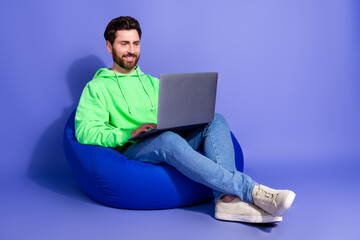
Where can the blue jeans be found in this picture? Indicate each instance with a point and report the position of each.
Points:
(215, 168)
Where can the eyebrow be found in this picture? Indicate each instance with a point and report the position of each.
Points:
(129, 41)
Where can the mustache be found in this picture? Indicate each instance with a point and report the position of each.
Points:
(130, 55)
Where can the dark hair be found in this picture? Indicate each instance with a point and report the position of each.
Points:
(121, 23)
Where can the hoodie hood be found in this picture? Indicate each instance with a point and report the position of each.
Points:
(137, 75)
(112, 105)
(108, 73)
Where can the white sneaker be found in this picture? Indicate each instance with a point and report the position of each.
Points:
(240, 211)
(275, 202)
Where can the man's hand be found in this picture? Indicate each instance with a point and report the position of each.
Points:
(143, 128)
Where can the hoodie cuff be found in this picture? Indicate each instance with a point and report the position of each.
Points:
(126, 136)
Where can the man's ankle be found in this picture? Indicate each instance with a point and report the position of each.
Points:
(227, 198)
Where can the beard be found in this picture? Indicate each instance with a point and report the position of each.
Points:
(126, 64)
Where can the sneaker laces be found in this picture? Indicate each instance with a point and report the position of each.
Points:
(266, 196)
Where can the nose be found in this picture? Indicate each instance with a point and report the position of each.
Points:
(131, 49)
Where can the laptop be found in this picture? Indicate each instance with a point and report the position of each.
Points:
(186, 100)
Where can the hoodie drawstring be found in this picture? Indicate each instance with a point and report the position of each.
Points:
(142, 84)
(151, 102)
(122, 92)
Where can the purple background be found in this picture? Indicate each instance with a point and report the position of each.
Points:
(288, 85)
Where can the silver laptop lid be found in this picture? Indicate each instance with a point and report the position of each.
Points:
(186, 99)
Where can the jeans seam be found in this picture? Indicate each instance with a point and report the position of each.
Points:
(210, 180)
(202, 176)
(146, 150)
(214, 147)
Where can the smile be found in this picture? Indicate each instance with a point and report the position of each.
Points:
(130, 58)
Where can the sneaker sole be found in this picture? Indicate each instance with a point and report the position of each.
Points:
(249, 219)
(286, 205)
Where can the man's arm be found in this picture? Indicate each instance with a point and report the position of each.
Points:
(92, 122)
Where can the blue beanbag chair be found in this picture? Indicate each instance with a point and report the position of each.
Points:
(108, 177)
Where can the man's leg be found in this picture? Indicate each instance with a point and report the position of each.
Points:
(173, 149)
(217, 146)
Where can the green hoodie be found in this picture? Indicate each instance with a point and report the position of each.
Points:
(113, 104)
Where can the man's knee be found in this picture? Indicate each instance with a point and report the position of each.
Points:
(219, 118)
(219, 122)
(170, 145)
(169, 138)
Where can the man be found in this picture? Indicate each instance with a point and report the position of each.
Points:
(121, 102)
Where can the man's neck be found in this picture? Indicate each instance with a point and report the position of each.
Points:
(118, 69)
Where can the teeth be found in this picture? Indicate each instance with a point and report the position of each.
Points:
(129, 58)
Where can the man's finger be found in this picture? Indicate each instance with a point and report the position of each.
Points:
(149, 125)
(153, 126)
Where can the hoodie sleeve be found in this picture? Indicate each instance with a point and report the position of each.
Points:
(92, 122)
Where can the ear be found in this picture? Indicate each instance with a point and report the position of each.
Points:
(109, 46)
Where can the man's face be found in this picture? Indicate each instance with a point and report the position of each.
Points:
(125, 50)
